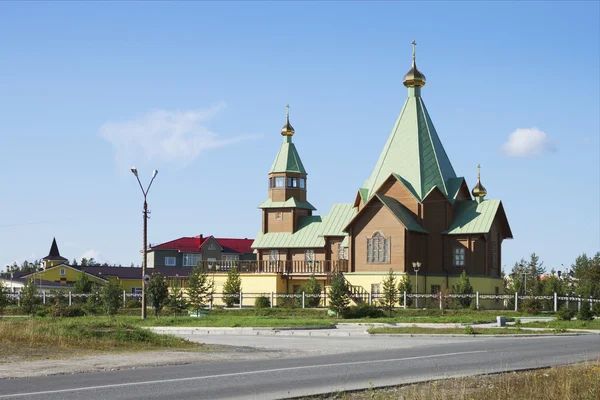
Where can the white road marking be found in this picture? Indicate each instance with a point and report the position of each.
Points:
(193, 378)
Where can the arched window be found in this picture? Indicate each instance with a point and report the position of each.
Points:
(378, 249)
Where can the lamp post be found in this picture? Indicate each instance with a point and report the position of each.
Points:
(144, 249)
(416, 266)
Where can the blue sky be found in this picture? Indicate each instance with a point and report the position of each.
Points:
(198, 91)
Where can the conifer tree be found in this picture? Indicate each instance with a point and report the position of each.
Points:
(232, 287)
(82, 284)
(158, 292)
(338, 294)
(405, 285)
(389, 296)
(463, 286)
(200, 288)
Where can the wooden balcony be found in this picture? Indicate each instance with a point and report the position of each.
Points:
(277, 267)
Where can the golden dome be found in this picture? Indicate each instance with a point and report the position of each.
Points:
(479, 191)
(288, 129)
(414, 77)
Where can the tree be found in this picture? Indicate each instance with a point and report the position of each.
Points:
(389, 296)
(200, 288)
(585, 312)
(463, 287)
(82, 284)
(405, 285)
(29, 297)
(338, 294)
(312, 291)
(110, 295)
(586, 271)
(158, 292)
(84, 262)
(232, 287)
(177, 303)
(3, 298)
(74, 263)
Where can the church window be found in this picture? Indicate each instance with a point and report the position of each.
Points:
(378, 248)
(279, 182)
(302, 183)
(342, 252)
(494, 254)
(459, 256)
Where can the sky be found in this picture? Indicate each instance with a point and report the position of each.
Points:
(198, 91)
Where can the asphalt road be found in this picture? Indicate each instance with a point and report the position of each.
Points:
(287, 377)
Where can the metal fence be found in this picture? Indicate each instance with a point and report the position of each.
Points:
(479, 301)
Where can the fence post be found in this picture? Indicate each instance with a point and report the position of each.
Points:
(211, 301)
(516, 301)
(591, 302)
(271, 299)
(441, 305)
(124, 299)
(44, 297)
(241, 299)
(404, 300)
(324, 296)
(370, 298)
(302, 299)
(579, 303)
(555, 302)
(69, 297)
(477, 299)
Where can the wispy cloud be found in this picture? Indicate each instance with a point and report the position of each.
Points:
(161, 136)
(527, 142)
(95, 254)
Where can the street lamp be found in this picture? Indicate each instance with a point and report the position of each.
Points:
(416, 266)
(144, 249)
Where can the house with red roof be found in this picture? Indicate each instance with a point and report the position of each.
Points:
(190, 251)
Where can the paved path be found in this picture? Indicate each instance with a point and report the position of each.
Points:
(357, 362)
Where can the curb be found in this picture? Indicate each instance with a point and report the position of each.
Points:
(482, 335)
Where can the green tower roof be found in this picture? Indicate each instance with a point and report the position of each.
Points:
(414, 152)
(287, 159)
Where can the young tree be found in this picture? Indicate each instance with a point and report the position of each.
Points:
(200, 288)
(312, 288)
(84, 262)
(232, 287)
(3, 298)
(390, 295)
(29, 297)
(338, 294)
(463, 286)
(74, 263)
(177, 303)
(158, 292)
(82, 284)
(587, 274)
(110, 295)
(405, 285)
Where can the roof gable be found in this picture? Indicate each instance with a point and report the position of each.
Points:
(210, 243)
(471, 217)
(289, 203)
(67, 266)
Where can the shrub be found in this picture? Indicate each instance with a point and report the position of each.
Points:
(469, 330)
(62, 311)
(287, 302)
(158, 292)
(30, 300)
(585, 312)
(463, 286)
(232, 288)
(389, 296)
(362, 310)
(311, 287)
(3, 298)
(405, 285)
(93, 303)
(132, 302)
(532, 306)
(110, 295)
(262, 302)
(565, 313)
(338, 294)
(596, 309)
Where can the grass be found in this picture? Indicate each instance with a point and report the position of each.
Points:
(35, 338)
(449, 331)
(559, 324)
(580, 382)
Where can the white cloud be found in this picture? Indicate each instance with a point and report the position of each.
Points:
(527, 142)
(161, 136)
(95, 254)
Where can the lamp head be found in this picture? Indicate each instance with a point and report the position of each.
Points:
(154, 173)
(416, 266)
(134, 171)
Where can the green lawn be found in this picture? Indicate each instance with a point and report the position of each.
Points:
(449, 331)
(559, 324)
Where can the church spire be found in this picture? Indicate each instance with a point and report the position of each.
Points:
(414, 77)
(479, 191)
(288, 129)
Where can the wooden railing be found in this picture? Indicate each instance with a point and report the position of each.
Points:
(277, 267)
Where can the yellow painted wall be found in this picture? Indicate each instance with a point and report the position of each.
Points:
(53, 275)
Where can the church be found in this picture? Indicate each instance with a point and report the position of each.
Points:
(413, 215)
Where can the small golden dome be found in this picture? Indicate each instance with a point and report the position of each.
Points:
(479, 191)
(288, 129)
(414, 77)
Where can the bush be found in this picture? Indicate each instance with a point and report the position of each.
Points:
(262, 302)
(565, 313)
(362, 310)
(596, 309)
(532, 306)
(62, 311)
(132, 302)
(287, 302)
(311, 287)
(585, 312)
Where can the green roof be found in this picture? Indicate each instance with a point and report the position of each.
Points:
(414, 152)
(471, 217)
(287, 159)
(364, 195)
(289, 203)
(453, 185)
(401, 213)
(311, 231)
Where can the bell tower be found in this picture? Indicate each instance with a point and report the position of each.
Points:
(287, 187)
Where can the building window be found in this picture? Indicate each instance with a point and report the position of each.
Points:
(63, 272)
(342, 252)
(170, 261)
(378, 247)
(279, 215)
(273, 257)
(459, 256)
(191, 260)
(309, 257)
(494, 254)
(136, 290)
(279, 182)
(230, 257)
(435, 289)
(302, 182)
